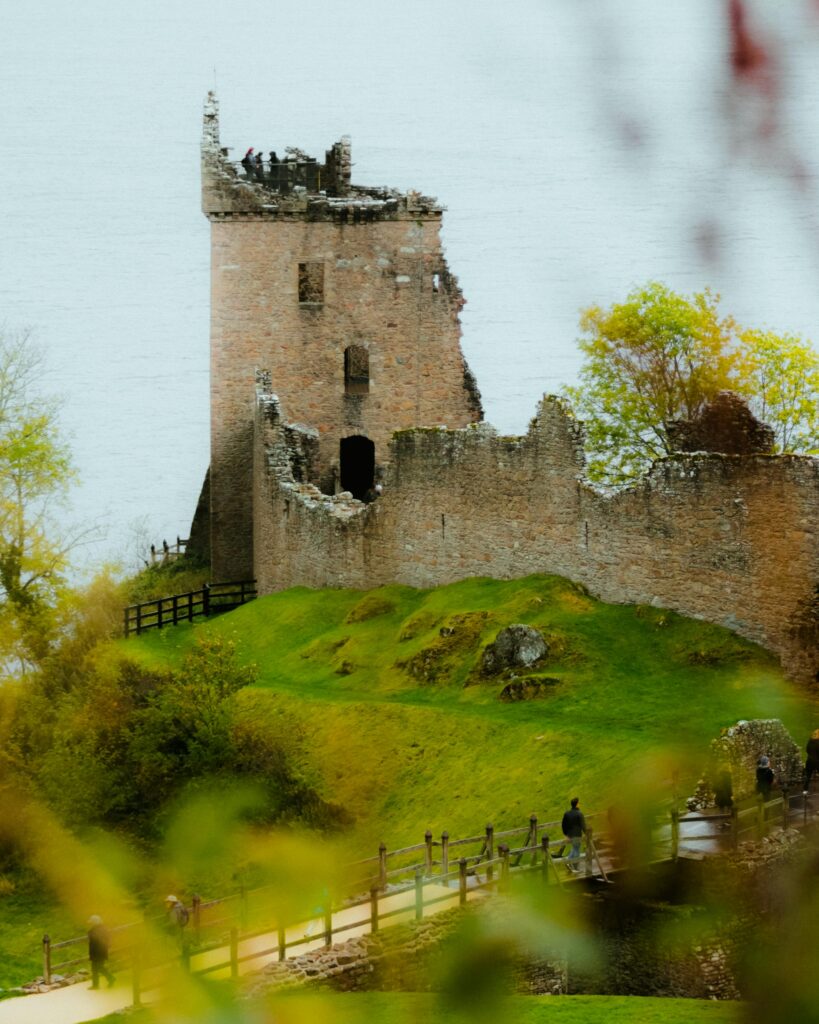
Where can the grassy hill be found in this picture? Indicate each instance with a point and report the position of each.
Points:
(406, 733)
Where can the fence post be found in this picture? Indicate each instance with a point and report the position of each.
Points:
(136, 972)
(532, 841)
(374, 911)
(139, 619)
(234, 954)
(47, 959)
(544, 845)
(428, 851)
(503, 850)
(206, 600)
(445, 853)
(159, 613)
(127, 622)
(382, 866)
(419, 894)
(196, 907)
(589, 850)
(175, 608)
(675, 834)
(281, 942)
(328, 924)
(490, 852)
(462, 880)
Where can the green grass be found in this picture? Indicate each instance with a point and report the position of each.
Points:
(407, 735)
(407, 1008)
(26, 914)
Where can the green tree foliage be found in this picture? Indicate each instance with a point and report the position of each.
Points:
(35, 471)
(661, 356)
(781, 374)
(114, 743)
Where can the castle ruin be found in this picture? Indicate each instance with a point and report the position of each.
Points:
(336, 364)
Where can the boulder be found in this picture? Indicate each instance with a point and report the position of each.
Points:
(517, 646)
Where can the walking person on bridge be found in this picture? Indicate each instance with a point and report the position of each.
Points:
(574, 828)
(177, 917)
(99, 943)
(764, 777)
(812, 762)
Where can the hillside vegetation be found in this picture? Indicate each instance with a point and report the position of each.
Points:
(407, 733)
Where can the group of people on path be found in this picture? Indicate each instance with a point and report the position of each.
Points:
(765, 777)
(99, 939)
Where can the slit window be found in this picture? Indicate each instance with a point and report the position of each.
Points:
(356, 370)
(311, 283)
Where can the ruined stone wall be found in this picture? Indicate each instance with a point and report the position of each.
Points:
(372, 276)
(378, 294)
(732, 539)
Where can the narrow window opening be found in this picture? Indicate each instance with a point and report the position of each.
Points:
(357, 465)
(436, 282)
(356, 370)
(311, 283)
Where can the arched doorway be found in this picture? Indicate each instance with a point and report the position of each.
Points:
(357, 465)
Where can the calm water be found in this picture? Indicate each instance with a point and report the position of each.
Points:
(579, 148)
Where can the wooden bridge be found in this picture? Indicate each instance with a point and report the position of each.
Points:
(234, 934)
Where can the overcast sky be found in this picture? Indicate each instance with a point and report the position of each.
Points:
(580, 146)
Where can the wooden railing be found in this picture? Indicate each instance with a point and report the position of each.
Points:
(479, 862)
(169, 611)
(168, 552)
(230, 920)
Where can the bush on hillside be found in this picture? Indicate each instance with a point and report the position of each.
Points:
(120, 743)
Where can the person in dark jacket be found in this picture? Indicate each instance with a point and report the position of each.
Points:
(724, 789)
(764, 777)
(574, 828)
(812, 763)
(99, 942)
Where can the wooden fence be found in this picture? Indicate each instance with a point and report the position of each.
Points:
(169, 611)
(229, 921)
(476, 863)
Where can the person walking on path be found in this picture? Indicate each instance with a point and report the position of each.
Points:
(764, 777)
(574, 828)
(177, 916)
(812, 763)
(99, 943)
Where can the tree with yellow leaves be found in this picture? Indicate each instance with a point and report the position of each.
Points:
(35, 471)
(661, 356)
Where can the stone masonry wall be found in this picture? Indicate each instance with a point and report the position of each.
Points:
(731, 539)
(383, 287)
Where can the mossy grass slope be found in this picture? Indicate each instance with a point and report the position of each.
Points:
(387, 689)
(407, 1007)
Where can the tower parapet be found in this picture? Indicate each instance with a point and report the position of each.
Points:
(296, 185)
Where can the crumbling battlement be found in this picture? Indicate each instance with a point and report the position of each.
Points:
(731, 539)
(297, 186)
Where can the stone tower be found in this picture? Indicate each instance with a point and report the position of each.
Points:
(340, 297)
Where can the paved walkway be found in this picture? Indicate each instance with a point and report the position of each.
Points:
(77, 1003)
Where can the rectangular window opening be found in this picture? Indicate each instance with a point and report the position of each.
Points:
(311, 283)
(356, 370)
